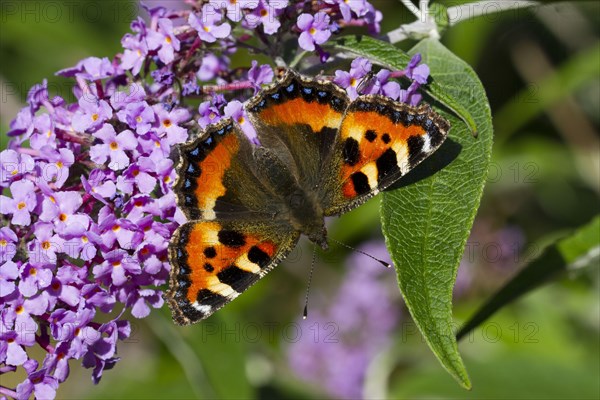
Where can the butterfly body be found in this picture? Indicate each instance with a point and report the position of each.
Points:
(320, 154)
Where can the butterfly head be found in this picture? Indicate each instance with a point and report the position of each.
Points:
(318, 235)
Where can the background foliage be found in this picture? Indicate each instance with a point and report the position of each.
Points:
(540, 71)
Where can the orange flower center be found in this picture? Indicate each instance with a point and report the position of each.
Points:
(19, 309)
(116, 228)
(95, 117)
(114, 146)
(312, 31)
(62, 217)
(33, 272)
(21, 205)
(264, 13)
(45, 245)
(167, 123)
(116, 263)
(3, 242)
(59, 164)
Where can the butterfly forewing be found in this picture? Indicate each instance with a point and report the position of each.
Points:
(298, 119)
(379, 141)
(216, 177)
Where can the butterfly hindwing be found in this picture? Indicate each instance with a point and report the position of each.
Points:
(379, 140)
(214, 261)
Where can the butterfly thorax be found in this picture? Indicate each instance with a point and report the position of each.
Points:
(300, 207)
(307, 217)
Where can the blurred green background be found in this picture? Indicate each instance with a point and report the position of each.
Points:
(540, 70)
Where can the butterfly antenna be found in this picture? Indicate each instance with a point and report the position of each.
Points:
(385, 264)
(310, 274)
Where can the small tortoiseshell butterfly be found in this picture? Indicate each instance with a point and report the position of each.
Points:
(320, 154)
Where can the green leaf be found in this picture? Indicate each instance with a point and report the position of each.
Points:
(571, 254)
(427, 221)
(393, 58)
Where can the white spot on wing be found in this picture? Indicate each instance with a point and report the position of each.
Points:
(354, 132)
(401, 150)
(215, 285)
(370, 170)
(426, 144)
(210, 236)
(208, 214)
(245, 264)
(203, 308)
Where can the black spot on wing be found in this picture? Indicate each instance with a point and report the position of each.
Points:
(308, 93)
(259, 257)
(351, 151)
(360, 182)
(189, 311)
(208, 267)
(386, 138)
(435, 136)
(207, 297)
(387, 164)
(415, 150)
(324, 96)
(210, 252)
(231, 238)
(370, 135)
(236, 277)
(292, 90)
(338, 104)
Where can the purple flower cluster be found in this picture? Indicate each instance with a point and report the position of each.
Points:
(358, 330)
(87, 221)
(87, 204)
(360, 80)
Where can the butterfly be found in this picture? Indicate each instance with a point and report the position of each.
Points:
(320, 155)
